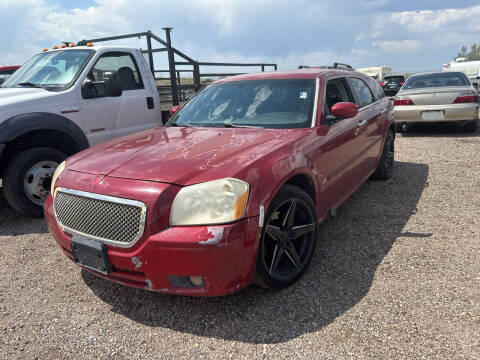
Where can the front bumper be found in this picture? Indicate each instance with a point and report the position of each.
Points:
(223, 255)
(450, 113)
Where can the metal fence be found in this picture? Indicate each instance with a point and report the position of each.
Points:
(176, 92)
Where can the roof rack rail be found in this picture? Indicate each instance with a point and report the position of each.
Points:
(336, 65)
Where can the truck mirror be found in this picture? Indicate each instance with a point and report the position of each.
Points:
(113, 86)
(91, 89)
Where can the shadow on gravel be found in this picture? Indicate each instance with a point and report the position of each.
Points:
(350, 248)
(12, 223)
(449, 130)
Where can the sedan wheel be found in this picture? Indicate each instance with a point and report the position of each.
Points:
(288, 238)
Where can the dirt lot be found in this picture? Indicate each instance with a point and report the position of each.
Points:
(396, 275)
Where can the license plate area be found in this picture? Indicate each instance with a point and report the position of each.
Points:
(90, 253)
(432, 115)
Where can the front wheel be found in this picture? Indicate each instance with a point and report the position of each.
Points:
(28, 177)
(385, 166)
(287, 240)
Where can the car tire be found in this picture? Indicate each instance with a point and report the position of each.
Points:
(471, 126)
(287, 240)
(26, 178)
(384, 170)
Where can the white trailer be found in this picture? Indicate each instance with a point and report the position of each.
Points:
(376, 72)
(469, 68)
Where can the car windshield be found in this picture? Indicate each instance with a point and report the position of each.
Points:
(437, 79)
(280, 103)
(54, 70)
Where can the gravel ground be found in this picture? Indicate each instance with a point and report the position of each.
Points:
(396, 274)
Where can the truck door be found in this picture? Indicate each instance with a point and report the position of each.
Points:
(106, 118)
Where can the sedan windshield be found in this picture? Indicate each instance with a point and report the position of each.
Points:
(282, 103)
(54, 70)
(437, 79)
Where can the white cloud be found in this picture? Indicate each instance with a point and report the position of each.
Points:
(398, 45)
(428, 20)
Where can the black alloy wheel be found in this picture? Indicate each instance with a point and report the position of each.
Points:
(288, 238)
(385, 167)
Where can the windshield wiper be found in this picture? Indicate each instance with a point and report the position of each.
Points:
(30, 84)
(230, 125)
(179, 125)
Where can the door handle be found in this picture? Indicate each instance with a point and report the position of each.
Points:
(362, 123)
(383, 111)
(150, 104)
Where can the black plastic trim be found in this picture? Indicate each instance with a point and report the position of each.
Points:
(24, 123)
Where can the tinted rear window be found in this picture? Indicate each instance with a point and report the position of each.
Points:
(437, 79)
(395, 79)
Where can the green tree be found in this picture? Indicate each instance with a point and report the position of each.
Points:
(473, 54)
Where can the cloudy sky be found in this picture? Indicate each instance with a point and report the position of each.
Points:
(407, 35)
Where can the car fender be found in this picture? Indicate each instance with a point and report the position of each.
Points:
(24, 123)
(266, 180)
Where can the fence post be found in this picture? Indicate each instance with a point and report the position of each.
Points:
(171, 65)
(150, 54)
(196, 76)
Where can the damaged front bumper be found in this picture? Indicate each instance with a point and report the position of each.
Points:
(222, 256)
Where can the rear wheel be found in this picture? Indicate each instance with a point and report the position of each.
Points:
(471, 126)
(28, 177)
(288, 238)
(385, 166)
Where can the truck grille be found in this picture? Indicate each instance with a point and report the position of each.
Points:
(115, 221)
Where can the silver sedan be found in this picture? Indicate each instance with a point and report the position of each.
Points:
(437, 97)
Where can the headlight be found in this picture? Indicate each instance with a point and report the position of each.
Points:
(214, 202)
(56, 174)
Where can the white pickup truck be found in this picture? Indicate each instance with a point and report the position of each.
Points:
(63, 101)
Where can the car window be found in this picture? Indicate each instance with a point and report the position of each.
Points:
(437, 79)
(394, 79)
(364, 95)
(376, 89)
(336, 91)
(121, 63)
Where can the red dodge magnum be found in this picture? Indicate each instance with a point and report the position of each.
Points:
(232, 190)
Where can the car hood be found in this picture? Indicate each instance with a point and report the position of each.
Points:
(9, 96)
(181, 155)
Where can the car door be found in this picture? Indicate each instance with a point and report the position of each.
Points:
(380, 109)
(341, 146)
(369, 113)
(106, 118)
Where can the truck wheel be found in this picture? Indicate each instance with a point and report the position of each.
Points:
(385, 166)
(471, 126)
(287, 240)
(27, 179)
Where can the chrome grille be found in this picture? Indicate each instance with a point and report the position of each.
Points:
(113, 220)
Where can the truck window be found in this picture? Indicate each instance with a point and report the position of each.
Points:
(364, 95)
(123, 64)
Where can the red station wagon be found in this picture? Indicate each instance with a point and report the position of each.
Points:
(232, 190)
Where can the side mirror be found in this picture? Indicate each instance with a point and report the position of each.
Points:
(173, 110)
(344, 110)
(110, 86)
(113, 85)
